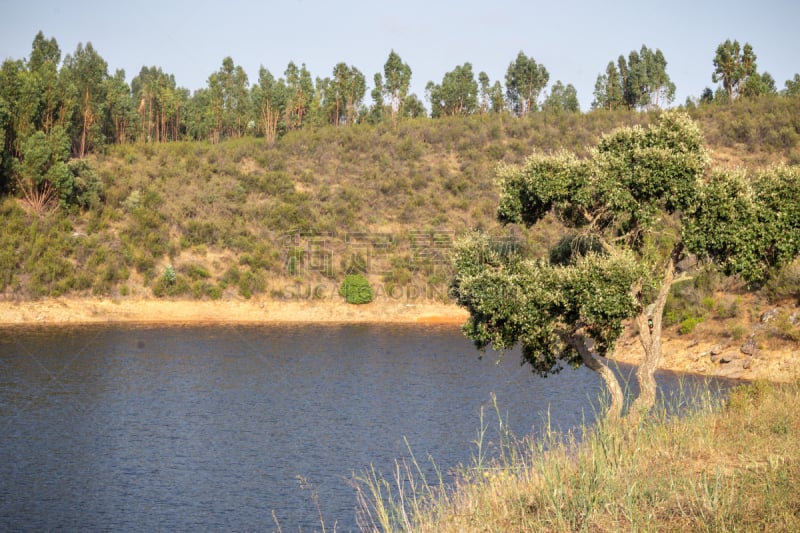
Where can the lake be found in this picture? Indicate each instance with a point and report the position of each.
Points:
(244, 428)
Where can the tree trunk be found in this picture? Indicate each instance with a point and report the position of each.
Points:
(592, 362)
(86, 120)
(650, 326)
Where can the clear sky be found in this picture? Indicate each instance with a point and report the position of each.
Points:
(574, 39)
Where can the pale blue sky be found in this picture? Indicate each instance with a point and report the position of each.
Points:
(574, 39)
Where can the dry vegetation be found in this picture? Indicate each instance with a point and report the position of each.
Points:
(249, 217)
(731, 466)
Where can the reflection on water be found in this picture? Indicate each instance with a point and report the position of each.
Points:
(113, 428)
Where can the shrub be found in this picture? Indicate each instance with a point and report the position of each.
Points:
(249, 283)
(355, 289)
(688, 324)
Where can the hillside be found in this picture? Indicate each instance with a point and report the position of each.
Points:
(288, 220)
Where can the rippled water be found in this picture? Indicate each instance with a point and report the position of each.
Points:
(235, 428)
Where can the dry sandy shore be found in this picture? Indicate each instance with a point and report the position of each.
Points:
(66, 311)
(777, 363)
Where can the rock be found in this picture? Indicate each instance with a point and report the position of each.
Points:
(715, 358)
(747, 363)
(725, 359)
(716, 349)
(749, 347)
(692, 343)
(794, 319)
(769, 316)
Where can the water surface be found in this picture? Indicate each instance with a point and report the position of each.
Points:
(235, 428)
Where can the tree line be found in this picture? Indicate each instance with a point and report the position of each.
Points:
(54, 109)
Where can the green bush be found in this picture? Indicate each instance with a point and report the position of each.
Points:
(355, 289)
(688, 324)
(251, 282)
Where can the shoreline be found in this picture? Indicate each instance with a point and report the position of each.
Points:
(683, 354)
(86, 311)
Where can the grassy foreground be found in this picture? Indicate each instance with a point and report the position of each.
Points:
(731, 465)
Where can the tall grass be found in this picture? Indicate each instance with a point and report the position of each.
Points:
(723, 465)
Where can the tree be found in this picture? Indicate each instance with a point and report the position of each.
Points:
(397, 76)
(377, 108)
(640, 82)
(525, 79)
(344, 94)
(608, 89)
(300, 94)
(457, 95)
(119, 106)
(792, 87)
(413, 107)
(733, 65)
(623, 206)
(758, 85)
(160, 104)
(43, 64)
(562, 99)
(87, 72)
(269, 102)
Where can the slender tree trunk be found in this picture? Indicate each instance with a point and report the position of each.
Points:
(616, 398)
(650, 326)
(86, 118)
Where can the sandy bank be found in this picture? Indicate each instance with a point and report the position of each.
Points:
(75, 311)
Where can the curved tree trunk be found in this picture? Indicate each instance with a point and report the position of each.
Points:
(592, 362)
(650, 325)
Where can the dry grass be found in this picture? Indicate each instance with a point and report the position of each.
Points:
(732, 466)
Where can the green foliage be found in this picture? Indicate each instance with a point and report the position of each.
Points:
(748, 225)
(525, 79)
(250, 282)
(688, 324)
(541, 305)
(168, 276)
(457, 94)
(355, 289)
(640, 82)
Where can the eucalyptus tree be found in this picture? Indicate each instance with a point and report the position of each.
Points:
(457, 94)
(159, 104)
(269, 103)
(378, 107)
(484, 89)
(236, 97)
(87, 72)
(44, 63)
(623, 207)
(397, 80)
(344, 94)
(525, 80)
(733, 65)
(119, 107)
(638, 82)
(413, 107)
(792, 86)
(9, 95)
(300, 94)
(562, 98)
(608, 89)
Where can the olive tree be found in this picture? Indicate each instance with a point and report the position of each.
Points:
(623, 206)
(634, 207)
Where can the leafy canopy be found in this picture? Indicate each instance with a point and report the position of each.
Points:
(612, 201)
